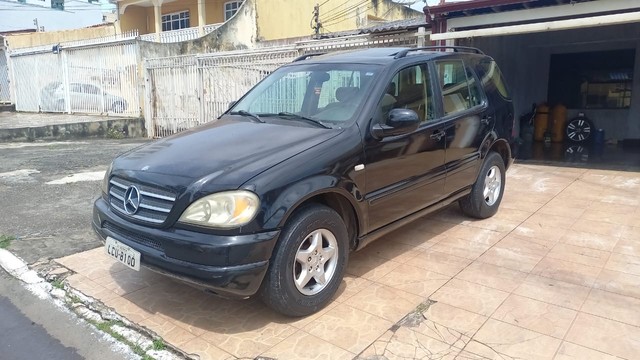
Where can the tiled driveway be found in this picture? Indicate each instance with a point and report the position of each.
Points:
(555, 274)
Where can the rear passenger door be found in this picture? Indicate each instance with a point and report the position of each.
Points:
(467, 119)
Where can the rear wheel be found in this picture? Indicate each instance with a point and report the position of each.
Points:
(308, 262)
(486, 193)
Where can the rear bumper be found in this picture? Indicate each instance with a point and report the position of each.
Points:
(231, 266)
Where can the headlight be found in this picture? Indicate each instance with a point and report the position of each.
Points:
(105, 181)
(222, 210)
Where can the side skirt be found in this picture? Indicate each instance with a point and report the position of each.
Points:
(369, 238)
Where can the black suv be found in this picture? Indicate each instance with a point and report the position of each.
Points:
(323, 156)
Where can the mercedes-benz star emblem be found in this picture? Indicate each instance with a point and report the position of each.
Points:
(131, 200)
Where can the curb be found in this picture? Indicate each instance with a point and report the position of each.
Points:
(85, 307)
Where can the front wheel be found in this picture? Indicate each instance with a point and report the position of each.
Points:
(308, 262)
(486, 193)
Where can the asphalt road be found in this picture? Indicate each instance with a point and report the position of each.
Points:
(52, 220)
(32, 329)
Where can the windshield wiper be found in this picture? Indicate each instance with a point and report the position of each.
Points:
(248, 114)
(308, 119)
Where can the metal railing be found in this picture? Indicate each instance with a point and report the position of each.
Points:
(179, 35)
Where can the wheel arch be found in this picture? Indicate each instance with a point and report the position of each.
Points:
(338, 199)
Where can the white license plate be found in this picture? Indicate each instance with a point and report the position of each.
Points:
(123, 253)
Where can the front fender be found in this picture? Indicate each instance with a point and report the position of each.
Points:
(297, 194)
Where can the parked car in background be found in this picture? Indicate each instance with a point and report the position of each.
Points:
(82, 98)
(322, 157)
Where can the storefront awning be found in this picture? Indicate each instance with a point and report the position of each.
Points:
(585, 22)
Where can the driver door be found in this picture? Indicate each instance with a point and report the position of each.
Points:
(405, 173)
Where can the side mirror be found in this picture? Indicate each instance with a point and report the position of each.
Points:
(399, 122)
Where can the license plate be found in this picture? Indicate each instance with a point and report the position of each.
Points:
(123, 253)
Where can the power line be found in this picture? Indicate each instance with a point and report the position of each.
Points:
(323, 3)
(336, 8)
(350, 17)
(344, 11)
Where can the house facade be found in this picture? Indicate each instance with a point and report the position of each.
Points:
(173, 20)
(581, 54)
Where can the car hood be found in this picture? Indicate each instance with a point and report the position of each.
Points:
(229, 151)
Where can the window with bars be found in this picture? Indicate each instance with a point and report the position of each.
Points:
(230, 8)
(175, 21)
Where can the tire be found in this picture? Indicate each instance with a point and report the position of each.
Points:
(306, 227)
(579, 130)
(491, 177)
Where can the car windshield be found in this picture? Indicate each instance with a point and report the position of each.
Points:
(329, 94)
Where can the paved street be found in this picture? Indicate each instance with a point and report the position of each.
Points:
(36, 329)
(52, 220)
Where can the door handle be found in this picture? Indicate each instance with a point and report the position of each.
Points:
(437, 136)
(486, 120)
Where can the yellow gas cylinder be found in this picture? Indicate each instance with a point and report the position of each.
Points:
(541, 122)
(558, 119)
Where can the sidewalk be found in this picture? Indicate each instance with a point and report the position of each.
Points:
(18, 126)
(554, 275)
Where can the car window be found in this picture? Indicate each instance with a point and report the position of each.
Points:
(90, 89)
(410, 88)
(75, 88)
(455, 86)
(491, 77)
(332, 93)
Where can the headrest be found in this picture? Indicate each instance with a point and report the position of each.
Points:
(346, 93)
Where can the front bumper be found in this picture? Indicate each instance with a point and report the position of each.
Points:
(231, 266)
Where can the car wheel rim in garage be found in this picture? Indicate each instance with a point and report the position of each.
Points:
(315, 262)
(579, 130)
(492, 185)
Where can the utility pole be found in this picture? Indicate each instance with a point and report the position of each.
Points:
(316, 21)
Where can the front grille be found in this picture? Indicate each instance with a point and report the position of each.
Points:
(128, 235)
(155, 204)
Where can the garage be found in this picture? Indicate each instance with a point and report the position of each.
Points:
(575, 60)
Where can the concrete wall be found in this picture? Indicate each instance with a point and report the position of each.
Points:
(279, 19)
(25, 40)
(525, 61)
(142, 17)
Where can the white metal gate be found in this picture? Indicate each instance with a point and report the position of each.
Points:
(5, 93)
(97, 79)
(185, 91)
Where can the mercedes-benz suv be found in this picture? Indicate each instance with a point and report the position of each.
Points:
(323, 156)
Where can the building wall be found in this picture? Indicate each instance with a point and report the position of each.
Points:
(525, 62)
(142, 18)
(135, 17)
(279, 19)
(26, 40)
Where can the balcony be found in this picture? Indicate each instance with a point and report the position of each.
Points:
(174, 36)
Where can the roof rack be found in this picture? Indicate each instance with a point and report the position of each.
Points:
(404, 53)
(307, 56)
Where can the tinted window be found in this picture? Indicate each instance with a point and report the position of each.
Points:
(75, 88)
(491, 78)
(459, 92)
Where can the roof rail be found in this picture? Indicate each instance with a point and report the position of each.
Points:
(307, 56)
(404, 53)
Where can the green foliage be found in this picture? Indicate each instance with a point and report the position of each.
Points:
(5, 241)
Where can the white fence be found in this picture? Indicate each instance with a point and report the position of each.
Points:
(97, 79)
(5, 93)
(178, 35)
(186, 91)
